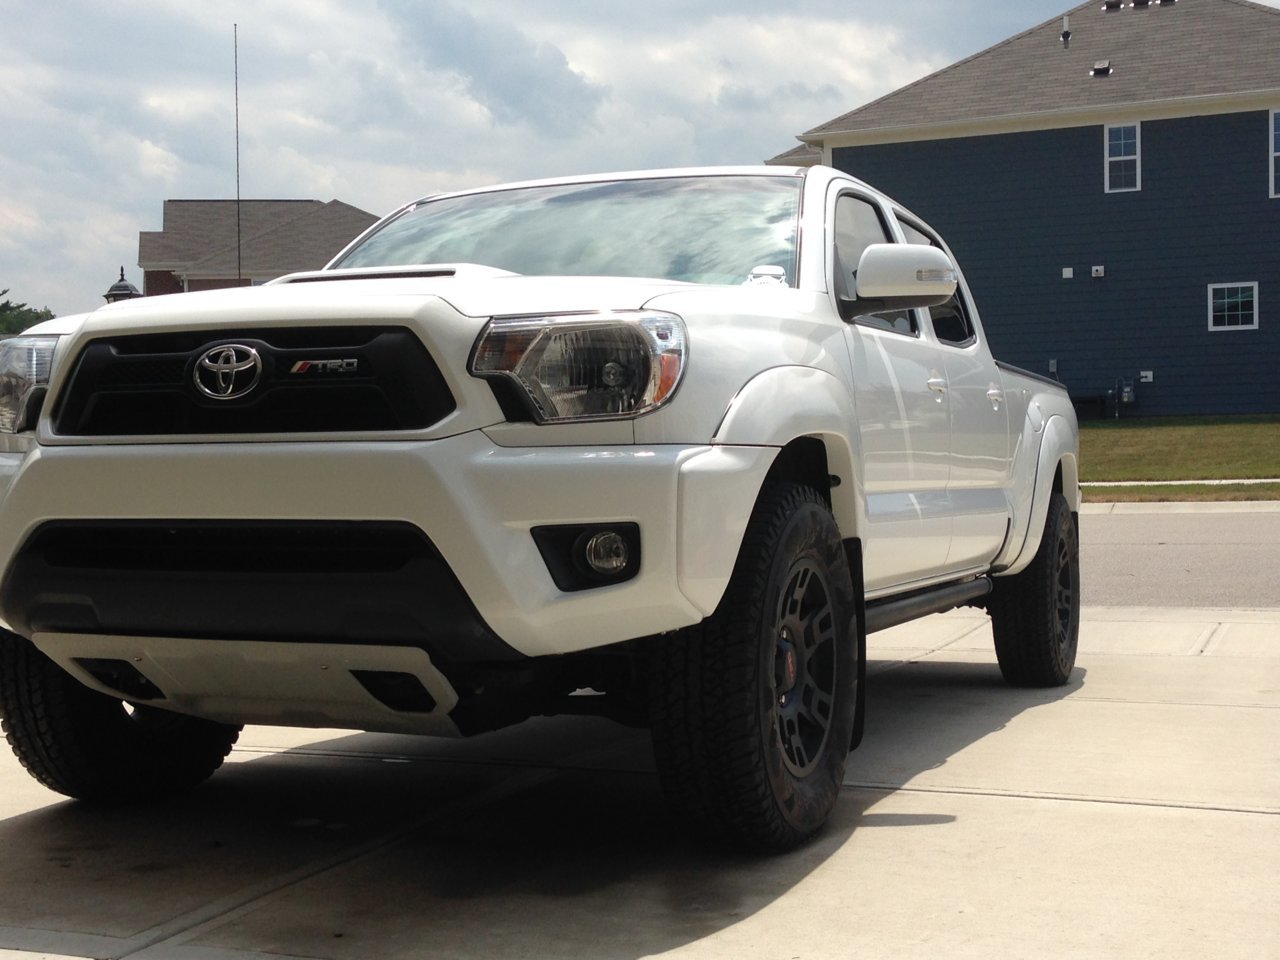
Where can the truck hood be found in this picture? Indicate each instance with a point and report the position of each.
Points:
(493, 293)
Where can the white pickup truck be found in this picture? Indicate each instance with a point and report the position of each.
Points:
(664, 446)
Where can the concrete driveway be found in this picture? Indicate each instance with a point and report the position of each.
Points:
(1135, 812)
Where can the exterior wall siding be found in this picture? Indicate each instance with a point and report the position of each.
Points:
(1018, 208)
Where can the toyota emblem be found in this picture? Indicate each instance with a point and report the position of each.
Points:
(228, 371)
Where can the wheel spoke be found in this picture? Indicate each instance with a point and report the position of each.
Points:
(807, 638)
(1064, 591)
(816, 706)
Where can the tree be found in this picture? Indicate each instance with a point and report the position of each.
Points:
(16, 317)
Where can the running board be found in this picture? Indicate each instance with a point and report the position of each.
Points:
(891, 611)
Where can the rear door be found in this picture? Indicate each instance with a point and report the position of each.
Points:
(980, 456)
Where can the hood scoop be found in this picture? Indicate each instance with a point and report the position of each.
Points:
(429, 271)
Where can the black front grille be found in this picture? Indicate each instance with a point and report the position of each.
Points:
(312, 380)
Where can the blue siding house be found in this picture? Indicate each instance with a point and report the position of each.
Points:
(1110, 181)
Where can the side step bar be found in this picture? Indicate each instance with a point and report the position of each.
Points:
(891, 611)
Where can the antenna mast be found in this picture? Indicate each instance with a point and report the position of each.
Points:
(235, 39)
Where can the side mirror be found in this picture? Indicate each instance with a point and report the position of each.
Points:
(899, 276)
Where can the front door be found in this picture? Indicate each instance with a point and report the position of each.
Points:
(903, 412)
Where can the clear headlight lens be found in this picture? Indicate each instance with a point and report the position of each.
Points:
(586, 366)
(24, 376)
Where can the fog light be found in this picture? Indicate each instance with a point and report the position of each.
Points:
(583, 556)
(607, 553)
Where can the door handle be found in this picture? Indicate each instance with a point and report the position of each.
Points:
(937, 385)
(996, 396)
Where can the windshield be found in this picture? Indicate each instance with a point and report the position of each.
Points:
(703, 229)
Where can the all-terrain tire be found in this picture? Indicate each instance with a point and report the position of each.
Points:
(752, 709)
(87, 745)
(1035, 614)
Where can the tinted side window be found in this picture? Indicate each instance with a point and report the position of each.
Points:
(858, 226)
(951, 323)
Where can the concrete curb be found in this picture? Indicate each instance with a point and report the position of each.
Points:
(1178, 483)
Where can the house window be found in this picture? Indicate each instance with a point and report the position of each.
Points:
(1124, 157)
(1275, 153)
(1233, 306)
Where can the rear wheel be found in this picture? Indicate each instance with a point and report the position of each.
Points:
(1035, 615)
(87, 745)
(752, 710)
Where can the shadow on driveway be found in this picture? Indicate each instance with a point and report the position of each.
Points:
(549, 839)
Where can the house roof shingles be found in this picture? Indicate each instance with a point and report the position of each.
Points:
(801, 155)
(1187, 50)
(276, 236)
(304, 242)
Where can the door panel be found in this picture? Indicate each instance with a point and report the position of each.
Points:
(905, 432)
(980, 457)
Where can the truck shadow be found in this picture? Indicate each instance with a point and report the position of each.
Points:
(549, 839)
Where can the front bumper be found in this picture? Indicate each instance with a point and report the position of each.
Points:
(474, 501)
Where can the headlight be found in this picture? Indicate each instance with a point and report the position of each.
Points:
(586, 366)
(24, 377)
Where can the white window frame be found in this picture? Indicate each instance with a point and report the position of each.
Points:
(1273, 154)
(1107, 159)
(1221, 286)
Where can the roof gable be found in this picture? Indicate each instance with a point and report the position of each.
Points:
(1160, 52)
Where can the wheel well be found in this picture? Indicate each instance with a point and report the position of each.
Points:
(803, 460)
(825, 464)
(1066, 481)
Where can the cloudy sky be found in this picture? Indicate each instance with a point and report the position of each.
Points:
(107, 109)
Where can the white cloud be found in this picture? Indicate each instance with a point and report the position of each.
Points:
(17, 219)
(157, 163)
(109, 109)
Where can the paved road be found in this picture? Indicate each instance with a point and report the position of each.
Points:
(1134, 812)
(1220, 555)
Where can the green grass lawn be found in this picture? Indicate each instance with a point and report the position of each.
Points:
(1181, 448)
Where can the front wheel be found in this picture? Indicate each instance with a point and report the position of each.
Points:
(752, 709)
(1035, 614)
(87, 745)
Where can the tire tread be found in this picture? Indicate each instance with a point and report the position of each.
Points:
(706, 724)
(1022, 611)
(84, 744)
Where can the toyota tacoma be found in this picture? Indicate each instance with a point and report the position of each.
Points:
(663, 446)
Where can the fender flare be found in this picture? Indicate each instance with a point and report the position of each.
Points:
(1058, 447)
(774, 408)
(785, 403)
